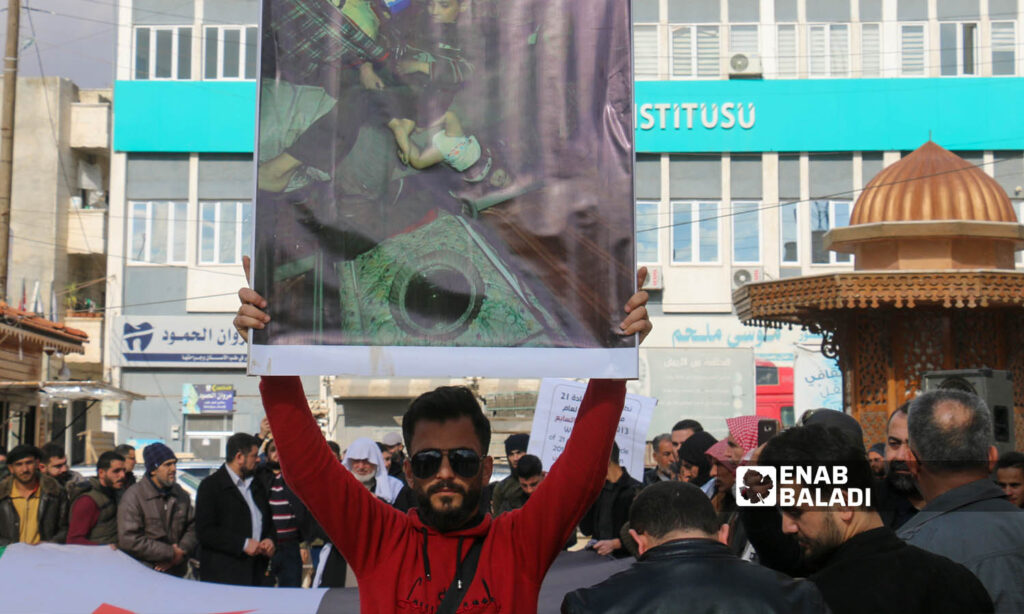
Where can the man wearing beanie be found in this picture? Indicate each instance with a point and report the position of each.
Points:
(508, 490)
(155, 519)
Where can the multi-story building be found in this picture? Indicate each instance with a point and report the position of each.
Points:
(51, 326)
(759, 122)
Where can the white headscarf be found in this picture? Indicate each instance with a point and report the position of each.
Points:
(364, 448)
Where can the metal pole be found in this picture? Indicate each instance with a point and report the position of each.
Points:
(7, 136)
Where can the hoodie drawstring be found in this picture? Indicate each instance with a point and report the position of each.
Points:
(458, 564)
(426, 558)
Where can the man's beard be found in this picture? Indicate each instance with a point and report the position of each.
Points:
(450, 519)
(365, 478)
(816, 550)
(901, 482)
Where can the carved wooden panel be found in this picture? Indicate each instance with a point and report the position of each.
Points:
(1019, 427)
(870, 341)
(977, 339)
(921, 347)
(873, 424)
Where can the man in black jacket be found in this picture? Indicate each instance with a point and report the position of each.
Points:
(233, 519)
(33, 506)
(603, 521)
(685, 566)
(859, 564)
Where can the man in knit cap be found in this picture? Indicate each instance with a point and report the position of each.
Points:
(507, 491)
(393, 441)
(694, 465)
(155, 519)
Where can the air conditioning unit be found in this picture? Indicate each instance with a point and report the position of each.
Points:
(743, 66)
(655, 278)
(995, 387)
(745, 275)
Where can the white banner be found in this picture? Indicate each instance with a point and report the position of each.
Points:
(817, 381)
(557, 405)
(177, 341)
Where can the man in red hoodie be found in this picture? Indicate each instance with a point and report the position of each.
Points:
(410, 562)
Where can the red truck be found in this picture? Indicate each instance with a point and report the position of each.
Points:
(774, 392)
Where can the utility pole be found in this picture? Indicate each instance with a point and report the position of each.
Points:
(7, 136)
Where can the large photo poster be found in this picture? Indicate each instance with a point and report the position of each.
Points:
(445, 187)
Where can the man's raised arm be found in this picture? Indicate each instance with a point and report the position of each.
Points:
(543, 525)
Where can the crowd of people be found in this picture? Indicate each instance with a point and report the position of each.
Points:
(416, 520)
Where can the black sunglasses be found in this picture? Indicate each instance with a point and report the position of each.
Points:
(426, 463)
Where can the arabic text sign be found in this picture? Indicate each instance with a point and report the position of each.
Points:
(817, 381)
(177, 341)
(207, 398)
(557, 404)
(707, 384)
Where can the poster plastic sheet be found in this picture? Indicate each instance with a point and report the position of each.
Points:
(445, 188)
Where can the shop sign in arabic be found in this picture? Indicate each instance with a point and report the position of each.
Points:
(178, 341)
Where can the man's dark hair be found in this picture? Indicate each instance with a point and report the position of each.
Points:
(1011, 460)
(240, 443)
(333, 445)
(51, 450)
(664, 507)
(902, 409)
(382, 447)
(961, 446)
(125, 450)
(615, 453)
(18, 453)
(817, 446)
(688, 424)
(531, 468)
(445, 404)
(103, 463)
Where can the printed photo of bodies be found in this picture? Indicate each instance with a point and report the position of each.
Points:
(445, 173)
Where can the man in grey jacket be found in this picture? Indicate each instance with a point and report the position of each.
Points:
(966, 517)
(155, 519)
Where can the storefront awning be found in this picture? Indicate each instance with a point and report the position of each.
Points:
(43, 393)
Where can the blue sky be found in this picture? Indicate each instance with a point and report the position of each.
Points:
(73, 38)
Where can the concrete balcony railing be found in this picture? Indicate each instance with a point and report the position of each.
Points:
(92, 325)
(90, 126)
(87, 231)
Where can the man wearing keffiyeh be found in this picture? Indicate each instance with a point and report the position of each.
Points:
(726, 455)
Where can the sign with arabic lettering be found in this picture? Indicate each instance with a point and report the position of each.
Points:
(707, 385)
(817, 381)
(557, 405)
(207, 398)
(177, 341)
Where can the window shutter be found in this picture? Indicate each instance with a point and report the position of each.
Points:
(682, 52)
(839, 50)
(1004, 42)
(817, 49)
(787, 50)
(871, 50)
(912, 49)
(645, 52)
(708, 54)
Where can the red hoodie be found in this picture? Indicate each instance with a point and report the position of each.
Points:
(403, 565)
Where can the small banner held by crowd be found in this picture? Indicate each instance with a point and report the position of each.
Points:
(817, 381)
(557, 405)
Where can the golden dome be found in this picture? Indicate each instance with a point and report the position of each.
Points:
(932, 184)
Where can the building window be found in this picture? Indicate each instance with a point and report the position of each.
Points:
(1018, 207)
(787, 51)
(645, 52)
(744, 39)
(158, 232)
(746, 232)
(826, 215)
(163, 52)
(1004, 45)
(230, 52)
(789, 233)
(696, 52)
(225, 232)
(828, 50)
(958, 49)
(694, 232)
(647, 231)
(871, 50)
(912, 50)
